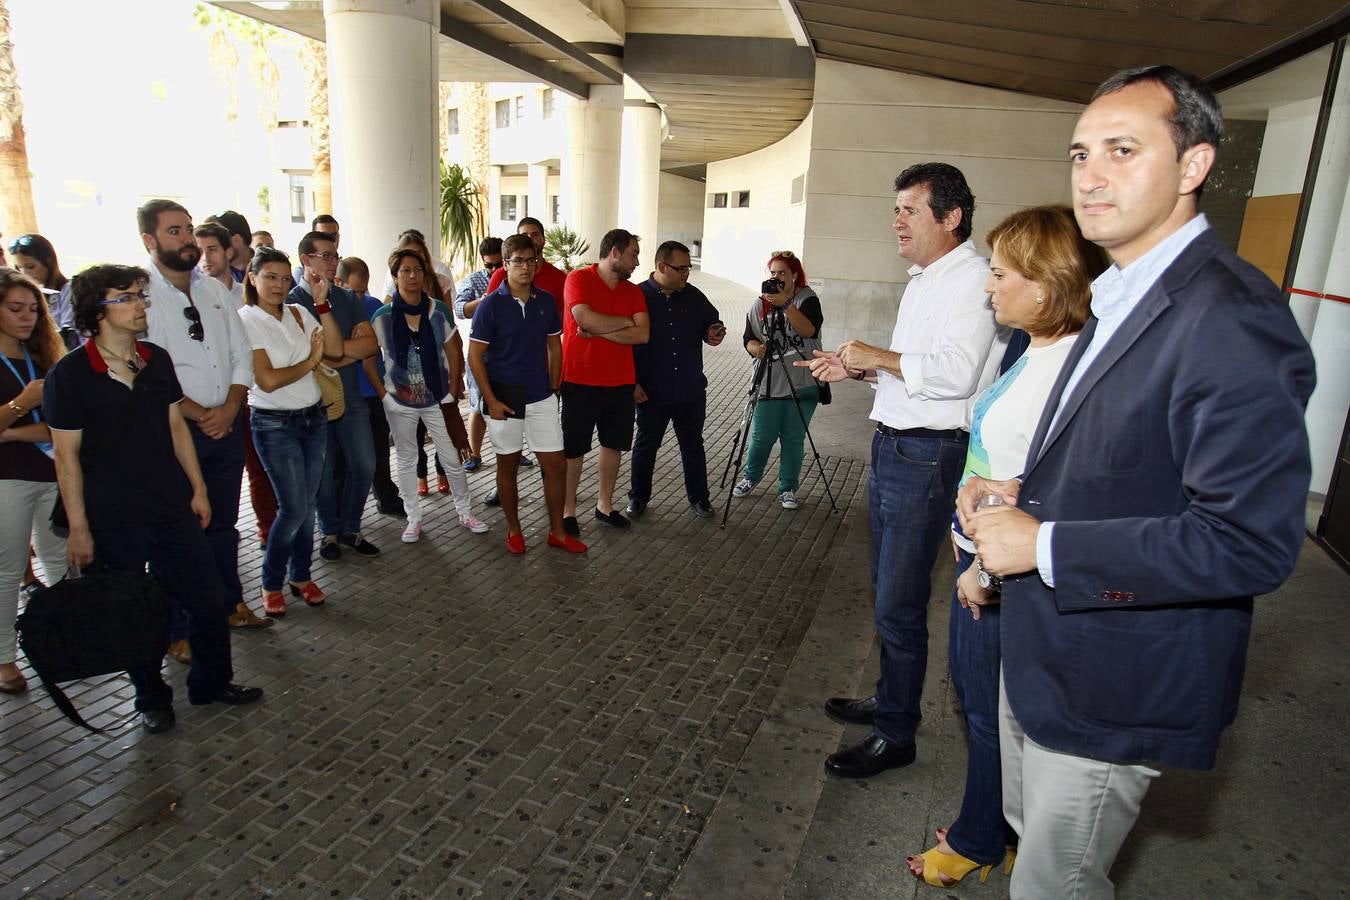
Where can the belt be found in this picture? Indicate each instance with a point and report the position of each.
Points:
(953, 434)
(284, 413)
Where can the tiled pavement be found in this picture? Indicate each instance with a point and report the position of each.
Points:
(638, 722)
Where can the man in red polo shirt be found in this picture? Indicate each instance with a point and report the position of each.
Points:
(605, 316)
(548, 277)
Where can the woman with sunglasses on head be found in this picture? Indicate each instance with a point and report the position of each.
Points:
(423, 363)
(288, 421)
(34, 256)
(787, 302)
(29, 346)
(1039, 282)
(130, 481)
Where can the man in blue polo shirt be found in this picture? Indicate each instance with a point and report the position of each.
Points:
(340, 511)
(670, 382)
(515, 352)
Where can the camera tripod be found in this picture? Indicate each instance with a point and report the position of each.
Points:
(776, 344)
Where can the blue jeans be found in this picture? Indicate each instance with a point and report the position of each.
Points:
(292, 446)
(911, 494)
(180, 559)
(342, 500)
(979, 832)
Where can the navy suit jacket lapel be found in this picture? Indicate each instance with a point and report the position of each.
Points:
(1153, 304)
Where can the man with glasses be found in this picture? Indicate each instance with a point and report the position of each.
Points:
(606, 315)
(346, 479)
(196, 320)
(515, 351)
(547, 277)
(670, 381)
(471, 292)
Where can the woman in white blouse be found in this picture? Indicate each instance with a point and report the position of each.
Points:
(290, 427)
(1039, 281)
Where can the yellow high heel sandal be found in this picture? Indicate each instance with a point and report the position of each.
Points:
(1009, 860)
(947, 869)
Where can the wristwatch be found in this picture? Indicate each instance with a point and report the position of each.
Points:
(322, 308)
(986, 579)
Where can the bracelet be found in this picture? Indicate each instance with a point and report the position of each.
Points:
(323, 308)
(19, 411)
(861, 376)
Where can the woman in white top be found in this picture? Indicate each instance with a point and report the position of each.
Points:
(1039, 281)
(290, 427)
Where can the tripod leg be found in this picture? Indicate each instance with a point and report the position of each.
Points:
(806, 427)
(738, 444)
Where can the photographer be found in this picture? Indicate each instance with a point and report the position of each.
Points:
(785, 295)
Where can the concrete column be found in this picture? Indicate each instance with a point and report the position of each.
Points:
(590, 166)
(494, 203)
(640, 172)
(383, 78)
(537, 190)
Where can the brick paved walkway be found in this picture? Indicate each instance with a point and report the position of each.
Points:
(455, 721)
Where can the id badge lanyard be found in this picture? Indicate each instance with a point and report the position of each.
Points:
(45, 446)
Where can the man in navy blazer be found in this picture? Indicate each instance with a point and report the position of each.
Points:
(1165, 486)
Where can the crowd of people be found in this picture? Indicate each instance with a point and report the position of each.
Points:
(1103, 420)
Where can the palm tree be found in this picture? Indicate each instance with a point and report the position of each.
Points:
(16, 182)
(315, 59)
(562, 245)
(462, 222)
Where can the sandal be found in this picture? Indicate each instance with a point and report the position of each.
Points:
(274, 604)
(947, 869)
(309, 591)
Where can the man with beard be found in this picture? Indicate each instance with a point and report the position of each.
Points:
(196, 320)
(605, 316)
(239, 252)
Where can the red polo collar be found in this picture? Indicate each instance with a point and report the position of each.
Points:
(97, 363)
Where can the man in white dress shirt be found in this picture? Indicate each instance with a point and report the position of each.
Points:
(939, 358)
(196, 320)
(213, 241)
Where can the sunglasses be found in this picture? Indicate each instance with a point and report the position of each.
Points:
(21, 243)
(195, 329)
(781, 254)
(492, 266)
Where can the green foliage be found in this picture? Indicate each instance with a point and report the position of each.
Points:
(463, 225)
(265, 200)
(562, 245)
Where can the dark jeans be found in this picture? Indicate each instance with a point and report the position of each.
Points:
(911, 492)
(386, 492)
(652, 419)
(979, 832)
(340, 511)
(222, 463)
(292, 446)
(180, 558)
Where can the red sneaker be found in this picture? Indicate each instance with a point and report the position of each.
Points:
(568, 543)
(515, 543)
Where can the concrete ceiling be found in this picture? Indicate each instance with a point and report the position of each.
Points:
(1055, 48)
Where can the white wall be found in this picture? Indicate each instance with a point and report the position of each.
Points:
(737, 242)
(680, 217)
(1285, 148)
(869, 125)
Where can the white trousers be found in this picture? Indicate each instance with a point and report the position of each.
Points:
(1071, 814)
(27, 506)
(403, 426)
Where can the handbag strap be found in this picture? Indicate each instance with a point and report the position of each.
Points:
(61, 700)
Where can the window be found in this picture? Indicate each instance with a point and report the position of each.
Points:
(508, 208)
(718, 201)
(503, 113)
(742, 199)
(298, 185)
(546, 104)
(553, 210)
(520, 109)
(799, 189)
(452, 122)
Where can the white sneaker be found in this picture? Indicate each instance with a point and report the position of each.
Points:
(743, 487)
(788, 499)
(473, 523)
(412, 532)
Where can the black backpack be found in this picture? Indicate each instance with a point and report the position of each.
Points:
(96, 623)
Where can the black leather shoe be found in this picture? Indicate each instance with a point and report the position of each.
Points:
(571, 526)
(234, 695)
(613, 518)
(394, 510)
(703, 509)
(157, 720)
(329, 549)
(635, 508)
(851, 712)
(492, 498)
(872, 755)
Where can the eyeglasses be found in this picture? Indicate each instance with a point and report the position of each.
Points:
(781, 254)
(515, 263)
(326, 256)
(195, 329)
(681, 269)
(407, 271)
(20, 243)
(128, 297)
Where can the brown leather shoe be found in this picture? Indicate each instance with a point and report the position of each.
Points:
(243, 617)
(180, 651)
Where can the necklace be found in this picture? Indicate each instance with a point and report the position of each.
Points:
(134, 363)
